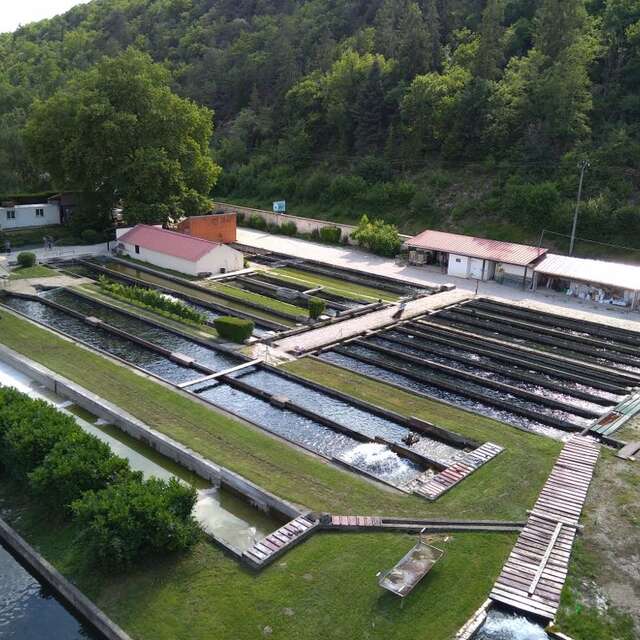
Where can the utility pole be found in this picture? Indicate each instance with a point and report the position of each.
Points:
(583, 165)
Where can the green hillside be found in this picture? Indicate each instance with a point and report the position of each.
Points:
(461, 114)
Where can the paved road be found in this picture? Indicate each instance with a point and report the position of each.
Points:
(353, 258)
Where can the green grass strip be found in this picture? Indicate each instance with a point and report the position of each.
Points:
(38, 271)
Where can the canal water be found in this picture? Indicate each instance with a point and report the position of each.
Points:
(375, 459)
(501, 625)
(219, 512)
(28, 609)
(379, 373)
(210, 357)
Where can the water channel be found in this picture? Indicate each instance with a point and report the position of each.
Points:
(373, 458)
(501, 625)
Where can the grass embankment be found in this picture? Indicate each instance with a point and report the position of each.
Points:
(324, 588)
(37, 271)
(503, 489)
(249, 296)
(335, 285)
(168, 319)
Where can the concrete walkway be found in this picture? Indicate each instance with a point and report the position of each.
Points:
(353, 258)
(31, 285)
(58, 253)
(316, 338)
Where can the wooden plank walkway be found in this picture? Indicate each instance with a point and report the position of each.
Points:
(432, 487)
(534, 574)
(355, 522)
(611, 422)
(276, 543)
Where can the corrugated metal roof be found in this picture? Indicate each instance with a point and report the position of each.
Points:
(613, 274)
(496, 250)
(171, 243)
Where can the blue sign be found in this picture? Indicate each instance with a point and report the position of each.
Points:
(280, 206)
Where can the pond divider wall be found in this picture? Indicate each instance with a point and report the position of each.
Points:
(161, 443)
(496, 368)
(70, 594)
(509, 356)
(116, 275)
(460, 389)
(480, 380)
(213, 292)
(413, 424)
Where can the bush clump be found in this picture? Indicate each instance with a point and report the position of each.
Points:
(130, 519)
(234, 329)
(378, 237)
(330, 235)
(153, 300)
(288, 228)
(121, 516)
(316, 307)
(26, 259)
(255, 221)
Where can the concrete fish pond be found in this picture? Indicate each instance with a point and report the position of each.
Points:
(503, 625)
(403, 578)
(351, 434)
(224, 515)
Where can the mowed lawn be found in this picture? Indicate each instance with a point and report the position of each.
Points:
(326, 587)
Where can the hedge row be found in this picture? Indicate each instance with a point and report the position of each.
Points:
(316, 307)
(122, 517)
(153, 300)
(234, 329)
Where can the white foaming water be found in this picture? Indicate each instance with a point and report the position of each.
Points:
(379, 460)
(505, 626)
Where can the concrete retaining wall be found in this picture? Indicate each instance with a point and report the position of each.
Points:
(164, 445)
(69, 593)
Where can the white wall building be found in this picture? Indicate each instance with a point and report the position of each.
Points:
(178, 251)
(22, 216)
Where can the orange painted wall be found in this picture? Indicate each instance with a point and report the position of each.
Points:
(218, 227)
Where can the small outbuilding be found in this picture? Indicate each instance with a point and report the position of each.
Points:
(217, 227)
(596, 280)
(178, 251)
(469, 257)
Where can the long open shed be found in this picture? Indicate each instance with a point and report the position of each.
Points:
(607, 282)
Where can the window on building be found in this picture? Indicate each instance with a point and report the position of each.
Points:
(39, 213)
(11, 214)
(458, 260)
(137, 248)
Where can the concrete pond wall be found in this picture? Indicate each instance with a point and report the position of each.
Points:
(182, 455)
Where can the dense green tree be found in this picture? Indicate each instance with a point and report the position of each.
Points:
(489, 59)
(119, 134)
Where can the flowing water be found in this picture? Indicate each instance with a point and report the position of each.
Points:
(219, 512)
(384, 375)
(308, 433)
(211, 358)
(347, 414)
(29, 611)
(500, 625)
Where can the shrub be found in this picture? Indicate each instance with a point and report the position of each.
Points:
(26, 259)
(154, 300)
(77, 463)
(129, 519)
(316, 307)
(254, 221)
(234, 329)
(240, 217)
(378, 236)
(288, 228)
(330, 235)
(90, 236)
(30, 429)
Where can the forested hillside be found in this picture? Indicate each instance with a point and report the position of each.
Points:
(461, 114)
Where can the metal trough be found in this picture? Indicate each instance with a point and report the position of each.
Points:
(402, 579)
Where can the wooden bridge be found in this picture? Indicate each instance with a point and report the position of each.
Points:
(276, 543)
(534, 574)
